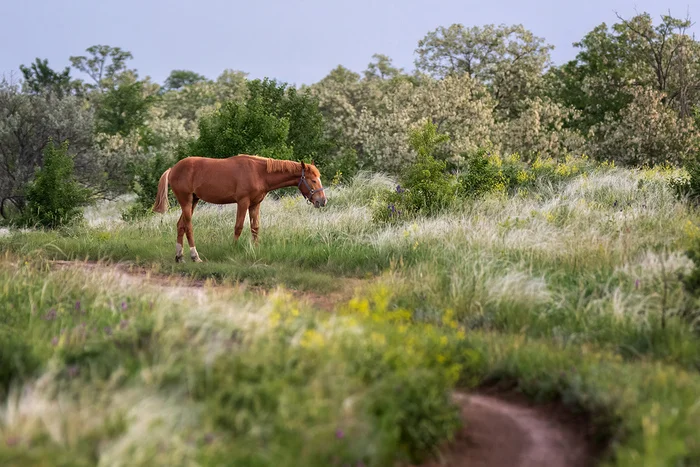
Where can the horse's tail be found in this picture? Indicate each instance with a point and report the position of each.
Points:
(161, 205)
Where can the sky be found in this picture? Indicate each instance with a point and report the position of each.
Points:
(295, 41)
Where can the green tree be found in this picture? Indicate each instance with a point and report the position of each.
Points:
(55, 197)
(242, 128)
(509, 60)
(104, 64)
(633, 52)
(123, 108)
(178, 79)
(306, 136)
(40, 78)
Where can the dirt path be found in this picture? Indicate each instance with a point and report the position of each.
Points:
(498, 431)
(503, 433)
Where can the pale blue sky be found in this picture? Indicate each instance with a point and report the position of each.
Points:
(294, 41)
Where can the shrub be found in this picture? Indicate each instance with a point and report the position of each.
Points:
(54, 197)
(424, 186)
(145, 184)
(687, 185)
(482, 175)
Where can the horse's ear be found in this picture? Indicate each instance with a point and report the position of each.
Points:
(312, 162)
(303, 166)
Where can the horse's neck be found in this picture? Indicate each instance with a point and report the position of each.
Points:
(282, 179)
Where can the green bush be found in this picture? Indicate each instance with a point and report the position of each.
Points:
(482, 176)
(145, 184)
(54, 198)
(687, 186)
(425, 187)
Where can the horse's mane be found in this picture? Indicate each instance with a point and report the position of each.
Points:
(274, 165)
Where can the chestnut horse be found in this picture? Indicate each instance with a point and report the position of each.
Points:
(243, 179)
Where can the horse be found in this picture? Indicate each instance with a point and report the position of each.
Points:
(243, 179)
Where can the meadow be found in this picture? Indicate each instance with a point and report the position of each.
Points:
(339, 339)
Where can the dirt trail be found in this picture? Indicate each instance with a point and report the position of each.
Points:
(502, 433)
(498, 431)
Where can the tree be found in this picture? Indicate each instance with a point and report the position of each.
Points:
(458, 105)
(40, 78)
(27, 122)
(382, 68)
(632, 53)
(178, 79)
(646, 132)
(509, 60)
(239, 128)
(123, 108)
(300, 108)
(104, 65)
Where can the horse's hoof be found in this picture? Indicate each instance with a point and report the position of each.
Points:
(178, 259)
(197, 260)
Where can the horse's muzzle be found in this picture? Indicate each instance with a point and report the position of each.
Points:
(319, 203)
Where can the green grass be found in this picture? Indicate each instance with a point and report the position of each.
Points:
(572, 292)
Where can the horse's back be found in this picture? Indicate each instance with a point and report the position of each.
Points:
(211, 179)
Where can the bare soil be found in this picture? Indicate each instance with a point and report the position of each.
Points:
(501, 432)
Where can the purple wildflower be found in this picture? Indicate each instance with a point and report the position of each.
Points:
(124, 306)
(50, 315)
(339, 434)
(77, 305)
(636, 284)
(108, 330)
(399, 189)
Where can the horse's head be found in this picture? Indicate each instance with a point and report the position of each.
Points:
(310, 185)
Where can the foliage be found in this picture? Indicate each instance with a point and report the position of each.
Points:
(273, 121)
(123, 108)
(144, 183)
(40, 78)
(459, 105)
(509, 60)
(481, 175)
(424, 187)
(238, 128)
(27, 122)
(178, 79)
(54, 197)
(543, 128)
(634, 51)
(301, 109)
(647, 133)
(104, 64)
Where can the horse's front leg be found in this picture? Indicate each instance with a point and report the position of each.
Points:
(240, 218)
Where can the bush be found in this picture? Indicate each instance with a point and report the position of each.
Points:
(424, 187)
(687, 185)
(54, 198)
(482, 175)
(145, 184)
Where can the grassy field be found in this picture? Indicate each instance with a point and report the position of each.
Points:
(570, 292)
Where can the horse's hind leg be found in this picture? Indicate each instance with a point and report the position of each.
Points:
(190, 232)
(184, 226)
(180, 235)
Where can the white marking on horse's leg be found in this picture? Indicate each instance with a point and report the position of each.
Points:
(178, 252)
(194, 255)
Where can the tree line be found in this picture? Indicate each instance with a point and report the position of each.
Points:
(631, 95)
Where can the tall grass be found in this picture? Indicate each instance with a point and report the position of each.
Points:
(568, 291)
